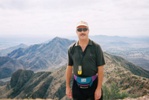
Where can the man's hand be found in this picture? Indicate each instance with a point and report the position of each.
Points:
(97, 94)
(68, 92)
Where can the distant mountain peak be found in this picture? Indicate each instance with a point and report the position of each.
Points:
(61, 41)
(57, 39)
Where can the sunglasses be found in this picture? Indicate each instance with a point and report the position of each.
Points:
(82, 29)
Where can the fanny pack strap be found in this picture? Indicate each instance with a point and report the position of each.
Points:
(75, 77)
(94, 77)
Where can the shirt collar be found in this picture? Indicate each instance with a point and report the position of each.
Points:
(89, 43)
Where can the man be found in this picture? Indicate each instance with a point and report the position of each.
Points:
(85, 60)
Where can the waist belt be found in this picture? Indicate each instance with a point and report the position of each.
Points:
(85, 82)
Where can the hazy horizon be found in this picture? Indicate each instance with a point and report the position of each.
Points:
(7, 42)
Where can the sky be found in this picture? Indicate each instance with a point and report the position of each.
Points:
(44, 19)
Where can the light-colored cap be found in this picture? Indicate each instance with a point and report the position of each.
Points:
(82, 23)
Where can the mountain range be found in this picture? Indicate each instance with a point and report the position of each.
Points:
(134, 49)
(38, 57)
(27, 84)
(38, 71)
(43, 56)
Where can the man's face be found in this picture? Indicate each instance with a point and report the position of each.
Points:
(82, 32)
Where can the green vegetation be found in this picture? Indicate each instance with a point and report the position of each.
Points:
(113, 92)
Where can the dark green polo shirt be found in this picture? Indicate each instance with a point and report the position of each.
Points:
(90, 59)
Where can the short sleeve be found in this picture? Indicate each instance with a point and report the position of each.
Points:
(70, 61)
(99, 57)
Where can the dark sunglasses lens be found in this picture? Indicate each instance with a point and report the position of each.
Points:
(79, 29)
(84, 29)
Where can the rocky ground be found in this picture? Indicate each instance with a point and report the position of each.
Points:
(140, 98)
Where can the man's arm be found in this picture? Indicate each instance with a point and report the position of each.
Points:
(68, 79)
(99, 85)
(68, 75)
(100, 77)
